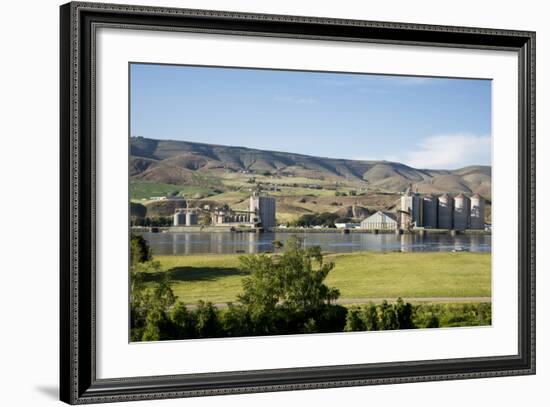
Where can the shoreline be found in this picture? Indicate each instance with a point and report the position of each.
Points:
(233, 229)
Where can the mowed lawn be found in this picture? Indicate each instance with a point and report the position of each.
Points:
(217, 278)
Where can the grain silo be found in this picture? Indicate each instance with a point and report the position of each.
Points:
(191, 218)
(264, 207)
(179, 218)
(445, 212)
(461, 213)
(411, 210)
(429, 209)
(477, 212)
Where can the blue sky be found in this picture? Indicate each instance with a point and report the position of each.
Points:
(422, 122)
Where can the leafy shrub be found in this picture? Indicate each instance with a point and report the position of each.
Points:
(140, 252)
(235, 321)
(354, 321)
(207, 325)
(370, 317)
(183, 321)
(452, 315)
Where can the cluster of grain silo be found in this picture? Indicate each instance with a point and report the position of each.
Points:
(185, 217)
(179, 217)
(443, 212)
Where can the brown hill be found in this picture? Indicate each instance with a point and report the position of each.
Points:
(197, 164)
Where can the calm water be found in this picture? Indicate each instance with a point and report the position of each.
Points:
(201, 242)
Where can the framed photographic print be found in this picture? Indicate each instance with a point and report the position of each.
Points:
(255, 203)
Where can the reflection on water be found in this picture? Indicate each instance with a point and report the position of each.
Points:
(204, 242)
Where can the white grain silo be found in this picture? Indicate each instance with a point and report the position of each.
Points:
(265, 209)
(179, 217)
(429, 209)
(461, 213)
(191, 218)
(445, 212)
(411, 210)
(477, 212)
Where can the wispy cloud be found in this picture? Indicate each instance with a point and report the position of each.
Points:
(449, 151)
(296, 100)
(416, 80)
(378, 84)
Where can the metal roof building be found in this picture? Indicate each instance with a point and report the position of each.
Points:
(380, 220)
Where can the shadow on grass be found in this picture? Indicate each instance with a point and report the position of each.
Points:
(196, 273)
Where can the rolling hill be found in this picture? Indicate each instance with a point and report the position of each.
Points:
(227, 167)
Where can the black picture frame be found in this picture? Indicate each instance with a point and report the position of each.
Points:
(78, 382)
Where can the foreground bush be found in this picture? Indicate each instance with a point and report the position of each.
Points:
(206, 321)
(380, 317)
(452, 315)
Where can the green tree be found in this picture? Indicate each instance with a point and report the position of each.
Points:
(206, 220)
(148, 303)
(310, 326)
(432, 321)
(354, 321)
(137, 212)
(388, 317)
(404, 313)
(370, 316)
(183, 320)
(139, 249)
(235, 321)
(207, 325)
(292, 281)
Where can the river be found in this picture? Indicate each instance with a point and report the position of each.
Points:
(169, 243)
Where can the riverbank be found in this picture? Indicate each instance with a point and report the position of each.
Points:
(361, 275)
(244, 229)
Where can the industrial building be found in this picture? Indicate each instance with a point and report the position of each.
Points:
(261, 214)
(264, 208)
(185, 217)
(411, 210)
(380, 221)
(229, 216)
(443, 212)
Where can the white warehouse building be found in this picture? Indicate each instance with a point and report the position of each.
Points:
(381, 221)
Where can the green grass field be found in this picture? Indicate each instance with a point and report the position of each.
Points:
(145, 190)
(365, 275)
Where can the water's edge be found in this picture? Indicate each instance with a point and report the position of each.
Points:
(181, 243)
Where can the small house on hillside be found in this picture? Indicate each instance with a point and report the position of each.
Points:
(380, 220)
